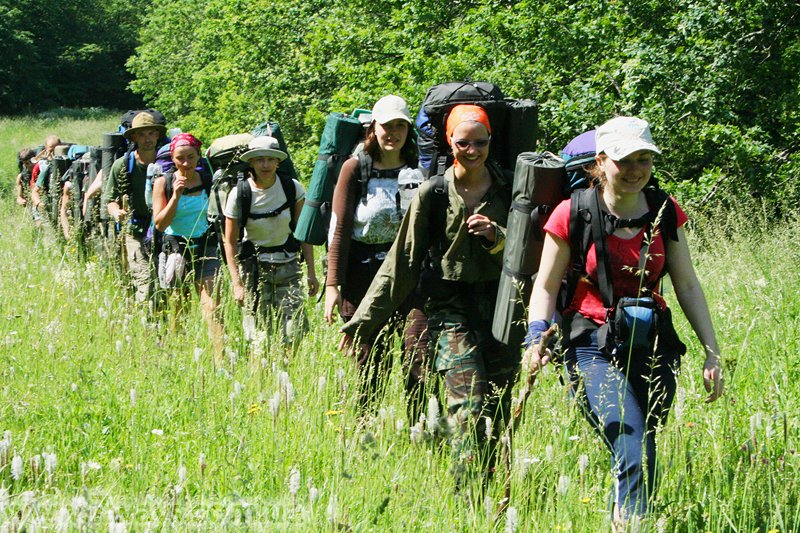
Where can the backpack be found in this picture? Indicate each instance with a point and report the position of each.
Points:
(126, 120)
(223, 158)
(272, 129)
(513, 123)
(341, 135)
(541, 182)
(244, 197)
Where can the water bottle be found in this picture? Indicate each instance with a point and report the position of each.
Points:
(408, 182)
(153, 171)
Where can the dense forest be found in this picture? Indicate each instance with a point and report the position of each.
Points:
(719, 81)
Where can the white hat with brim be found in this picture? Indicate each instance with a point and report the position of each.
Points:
(622, 136)
(141, 121)
(389, 108)
(264, 146)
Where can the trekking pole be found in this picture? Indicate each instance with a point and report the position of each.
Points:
(516, 416)
(123, 234)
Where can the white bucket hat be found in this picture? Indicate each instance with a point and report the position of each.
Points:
(264, 146)
(622, 136)
(389, 108)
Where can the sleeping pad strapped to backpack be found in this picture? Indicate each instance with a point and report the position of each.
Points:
(341, 134)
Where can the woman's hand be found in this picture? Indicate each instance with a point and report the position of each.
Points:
(481, 226)
(333, 301)
(346, 344)
(238, 294)
(178, 185)
(712, 378)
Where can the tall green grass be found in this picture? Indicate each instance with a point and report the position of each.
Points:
(150, 433)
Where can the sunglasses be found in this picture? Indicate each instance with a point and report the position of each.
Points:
(464, 144)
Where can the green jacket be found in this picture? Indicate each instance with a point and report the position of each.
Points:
(114, 189)
(465, 258)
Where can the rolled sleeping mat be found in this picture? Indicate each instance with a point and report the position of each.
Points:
(272, 129)
(537, 190)
(114, 145)
(521, 129)
(342, 132)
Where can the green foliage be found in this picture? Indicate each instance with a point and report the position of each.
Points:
(719, 83)
(67, 53)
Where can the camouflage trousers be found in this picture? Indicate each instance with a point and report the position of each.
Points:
(274, 294)
(478, 374)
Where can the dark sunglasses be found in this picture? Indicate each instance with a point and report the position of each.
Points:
(464, 144)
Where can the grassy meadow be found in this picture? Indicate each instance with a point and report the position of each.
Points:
(113, 419)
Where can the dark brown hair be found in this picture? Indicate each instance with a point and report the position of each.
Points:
(408, 153)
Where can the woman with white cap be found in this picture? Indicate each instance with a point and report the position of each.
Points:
(265, 269)
(368, 208)
(622, 368)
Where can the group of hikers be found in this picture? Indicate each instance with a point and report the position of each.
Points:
(423, 266)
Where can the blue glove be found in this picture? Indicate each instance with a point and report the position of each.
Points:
(535, 331)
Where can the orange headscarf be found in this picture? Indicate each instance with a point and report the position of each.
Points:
(466, 113)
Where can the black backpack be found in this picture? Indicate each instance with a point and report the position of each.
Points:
(513, 123)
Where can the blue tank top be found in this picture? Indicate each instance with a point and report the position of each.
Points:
(190, 217)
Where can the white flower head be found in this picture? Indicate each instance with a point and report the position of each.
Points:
(181, 474)
(548, 452)
(563, 484)
(62, 520)
(583, 463)
(133, 397)
(489, 434)
(275, 404)
(415, 433)
(79, 503)
(511, 520)
(294, 481)
(198, 353)
(332, 511)
(119, 346)
(313, 494)
(157, 432)
(322, 383)
(17, 468)
(433, 414)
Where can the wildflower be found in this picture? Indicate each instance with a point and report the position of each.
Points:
(181, 474)
(332, 510)
(92, 465)
(433, 414)
(201, 463)
(340, 375)
(74, 387)
(62, 520)
(51, 349)
(400, 425)
(489, 428)
(254, 409)
(488, 507)
(583, 463)
(119, 346)
(36, 463)
(115, 464)
(294, 481)
(586, 499)
(415, 433)
(237, 388)
(231, 356)
(333, 412)
(157, 432)
(313, 495)
(3, 498)
(322, 382)
(275, 404)
(17, 468)
(198, 352)
(563, 484)
(574, 438)
(548, 452)
(511, 520)
(79, 503)
(133, 397)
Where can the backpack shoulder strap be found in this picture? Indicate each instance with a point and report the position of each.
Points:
(287, 183)
(667, 218)
(168, 177)
(244, 197)
(438, 215)
(601, 248)
(365, 171)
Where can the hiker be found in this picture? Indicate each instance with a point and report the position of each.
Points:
(367, 211)
(23, 181)
(145, 133)
(39, 174)
(625, 384)
(265, 270)
(189, 249)
(95, 188)
(452, 237)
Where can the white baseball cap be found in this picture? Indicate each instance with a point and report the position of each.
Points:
(389, 108)
(622, 136)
